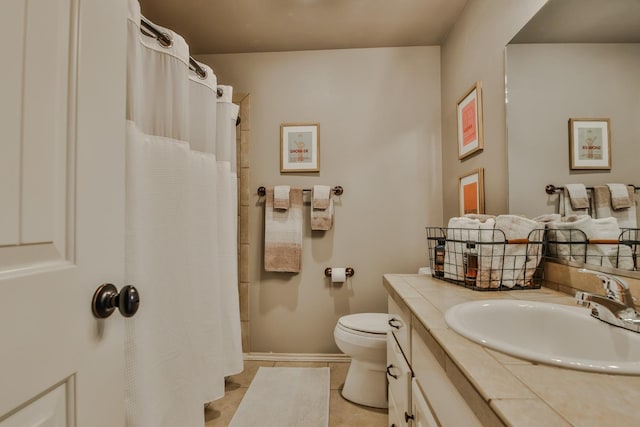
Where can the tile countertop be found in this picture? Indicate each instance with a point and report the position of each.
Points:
(519, 392)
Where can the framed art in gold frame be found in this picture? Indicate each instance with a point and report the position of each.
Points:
(471, 192)
(299, 147)
(589, 144)
(469, 119)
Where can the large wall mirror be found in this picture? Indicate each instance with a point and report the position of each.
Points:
(573, 59)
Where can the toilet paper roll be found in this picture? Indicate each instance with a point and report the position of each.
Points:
(338, 274)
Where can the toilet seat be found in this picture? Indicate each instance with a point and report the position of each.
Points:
(366, 324)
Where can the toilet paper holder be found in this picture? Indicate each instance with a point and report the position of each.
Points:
(349, 271)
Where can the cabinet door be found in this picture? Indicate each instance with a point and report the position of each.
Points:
(448, 405)
(396, 416)
(422, 416)
(399, 377)
(399, 323)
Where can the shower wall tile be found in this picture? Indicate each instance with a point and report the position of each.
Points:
(246, 338)
(245, 148)
(243, 225)
(244, 190)
(244, 266)
(244, 301)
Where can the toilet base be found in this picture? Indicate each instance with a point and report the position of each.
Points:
(366, 384)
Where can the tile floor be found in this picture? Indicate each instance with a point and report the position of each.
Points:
(342, 413)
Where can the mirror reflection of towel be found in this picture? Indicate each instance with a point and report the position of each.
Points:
(602, 200)
(578, 198)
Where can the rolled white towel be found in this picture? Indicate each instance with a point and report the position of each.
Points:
(461, 230)
(568, 237)
(516, 227)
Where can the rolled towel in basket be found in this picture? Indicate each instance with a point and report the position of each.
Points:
(567, 238)
(461, 230)
(601, 252)
(514, 261)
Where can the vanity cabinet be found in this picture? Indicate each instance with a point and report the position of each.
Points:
(420, 393)
(399, 373)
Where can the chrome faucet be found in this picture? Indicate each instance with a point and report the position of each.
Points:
(617, 307)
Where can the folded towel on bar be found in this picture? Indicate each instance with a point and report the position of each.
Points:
(283, 234)
(322, 219)
(621, 196)
(281, 197)
(520, 259)
(627, 217)
(320, 196)
(578, 197)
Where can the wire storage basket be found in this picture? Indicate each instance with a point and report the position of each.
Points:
(573, 245)
(484, 259)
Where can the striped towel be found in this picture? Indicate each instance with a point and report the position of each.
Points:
(283, 234)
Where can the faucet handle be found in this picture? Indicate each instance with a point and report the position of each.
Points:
(615, 288)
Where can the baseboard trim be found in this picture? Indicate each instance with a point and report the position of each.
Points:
(297, 357)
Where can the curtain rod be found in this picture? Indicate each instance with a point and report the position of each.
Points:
(165, 40)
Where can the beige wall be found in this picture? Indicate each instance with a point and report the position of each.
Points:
(379, 115)
(474, 51)
(550, 83)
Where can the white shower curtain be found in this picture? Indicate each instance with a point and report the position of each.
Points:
(227, 114)
(183, 340)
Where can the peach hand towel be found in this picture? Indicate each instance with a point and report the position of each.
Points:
(320, 196)
(621, 197)
(627, 218)
(281, 197)
(283, 234)
(577, 196)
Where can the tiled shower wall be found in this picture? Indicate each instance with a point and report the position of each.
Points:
(243, 147)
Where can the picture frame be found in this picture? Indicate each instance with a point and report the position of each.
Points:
(469, 119)
(589, 143)
(471, 192)
(299, 147)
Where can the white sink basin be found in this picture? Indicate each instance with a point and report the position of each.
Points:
(548, 333)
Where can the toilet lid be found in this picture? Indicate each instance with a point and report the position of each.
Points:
(373, 323)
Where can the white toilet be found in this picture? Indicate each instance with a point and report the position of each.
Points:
(363, 336)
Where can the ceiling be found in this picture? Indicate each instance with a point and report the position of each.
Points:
(234, 26)
(584, 21)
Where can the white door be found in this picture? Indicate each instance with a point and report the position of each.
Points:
(62, 89)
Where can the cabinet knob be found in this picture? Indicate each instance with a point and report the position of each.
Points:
(407, 417)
